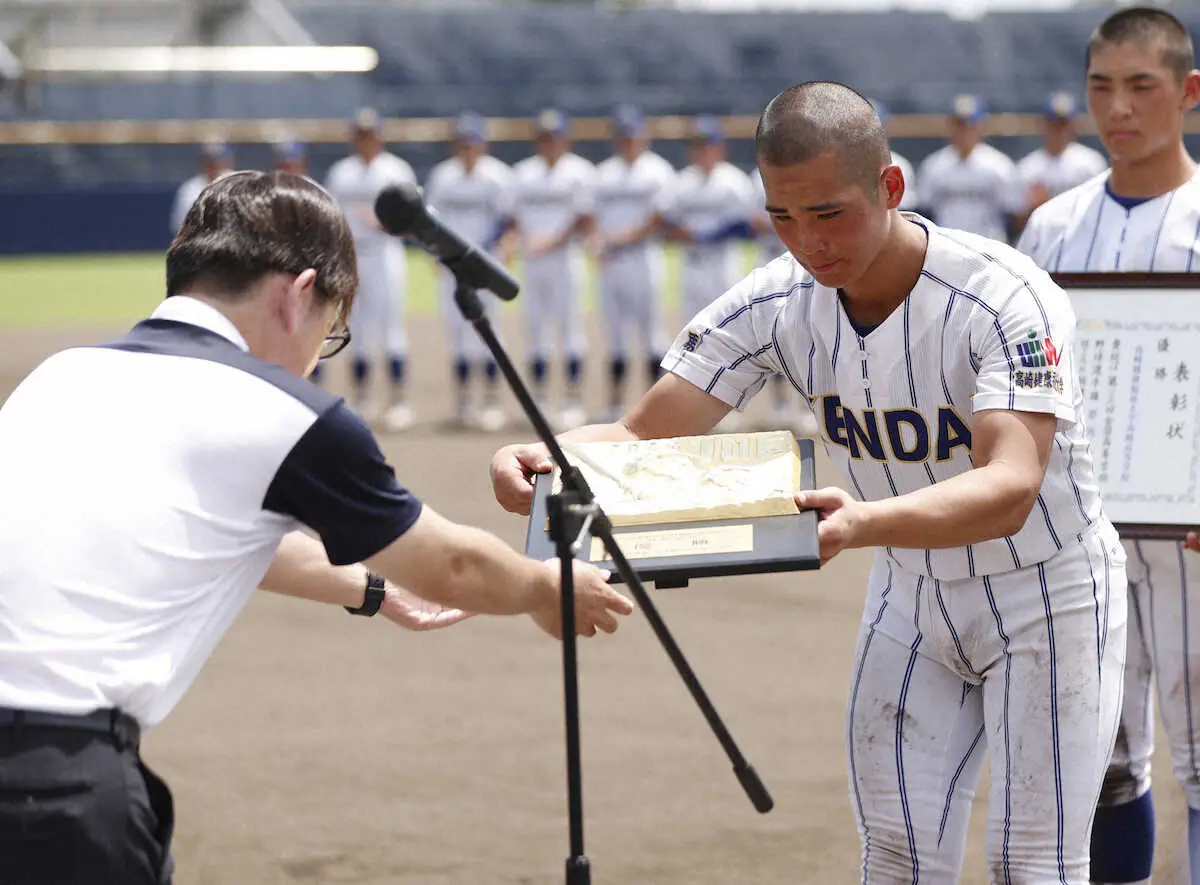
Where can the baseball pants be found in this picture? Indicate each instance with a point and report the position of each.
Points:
(630, 296)
(377, 320)
(551, 298)
(708, 272)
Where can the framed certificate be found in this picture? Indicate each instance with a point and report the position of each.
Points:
(694, 507)
(1137, 353)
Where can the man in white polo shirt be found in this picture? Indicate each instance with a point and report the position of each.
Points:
(127, 550)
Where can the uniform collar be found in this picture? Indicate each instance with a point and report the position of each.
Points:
(194, 312)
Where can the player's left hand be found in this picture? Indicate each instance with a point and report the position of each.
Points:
(414, 613)
(840, 519)
(1192, 542)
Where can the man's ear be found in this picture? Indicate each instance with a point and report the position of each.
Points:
(297, 299)
(891, 182)
(1191, 90)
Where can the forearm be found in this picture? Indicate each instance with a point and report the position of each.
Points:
(302, 569)
(982, 504)
(618, 431)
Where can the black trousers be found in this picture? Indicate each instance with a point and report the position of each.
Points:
(78, 806)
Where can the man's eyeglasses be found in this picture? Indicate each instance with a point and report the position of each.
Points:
(335, 343)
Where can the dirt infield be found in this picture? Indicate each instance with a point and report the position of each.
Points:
(318, 748)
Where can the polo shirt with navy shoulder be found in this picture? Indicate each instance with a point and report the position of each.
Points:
(146, 486)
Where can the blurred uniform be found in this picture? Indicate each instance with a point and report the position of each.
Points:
(633, 189)
(969, 185)
(552, 208)
(472, 192)
(1061, 163)
(290, 156)
(216, 159)
(710, 212)
(377, 321)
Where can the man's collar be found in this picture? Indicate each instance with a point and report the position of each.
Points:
(194, 312)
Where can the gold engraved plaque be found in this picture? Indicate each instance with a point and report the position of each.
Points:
(680, 542)
(691, 479)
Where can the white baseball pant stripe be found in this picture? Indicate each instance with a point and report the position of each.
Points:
(1023, 666)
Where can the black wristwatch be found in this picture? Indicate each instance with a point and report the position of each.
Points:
(373, 599)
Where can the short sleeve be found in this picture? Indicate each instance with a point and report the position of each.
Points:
(728, 349)
(1024, 354)
(336, 481)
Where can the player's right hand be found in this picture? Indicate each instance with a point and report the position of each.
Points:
(1192, 542)
(513, 469)
(595, 602)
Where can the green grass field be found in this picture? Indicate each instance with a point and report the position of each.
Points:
(62, 291)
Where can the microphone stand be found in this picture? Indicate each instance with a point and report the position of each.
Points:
(574, 514)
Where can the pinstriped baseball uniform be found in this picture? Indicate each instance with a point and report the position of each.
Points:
(1058, 174)
(1012, 647)
(973, 193)
(631, 278)
(1088, 229)
(475, 204)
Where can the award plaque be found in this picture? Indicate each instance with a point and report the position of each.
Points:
(693, 507)
(1137, 356)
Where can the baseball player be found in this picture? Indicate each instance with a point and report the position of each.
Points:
(941, 366)
(1144, 215)
(968, 184)
(552, 212)
(290, 156)
(710, 211)
(1061, 162)
(377, 323)
(633, 189)
(472, 192)
(216, 159)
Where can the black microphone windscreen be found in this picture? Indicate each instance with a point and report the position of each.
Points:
(399, 207)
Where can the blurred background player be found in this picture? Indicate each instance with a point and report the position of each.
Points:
(471, 191)
(216, 159)
(1061, 163)
(377, 322)
(552, 211)
(709, 213)
(1143, 216)
(633, 189)
(968, 184)
(912, 194)
(290, 156)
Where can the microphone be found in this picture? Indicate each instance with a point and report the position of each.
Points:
(402, 212)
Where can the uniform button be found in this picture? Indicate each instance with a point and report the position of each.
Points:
(866, 384)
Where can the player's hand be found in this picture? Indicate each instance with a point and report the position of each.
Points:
(1038, 194)
(539, 245)
(596, 603)
(840, 519)
(1192, 542)
(414, 613)
(512, 471)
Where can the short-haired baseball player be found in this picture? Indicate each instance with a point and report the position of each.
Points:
(968, 184)
(216, 159)
(941, 365)
(1144, 215)
(471, 191)
(1061, 163)
(290, 156)
(378, 319)
(552, 213)
(633, 189)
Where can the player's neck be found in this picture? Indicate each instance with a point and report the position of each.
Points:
(1153, 176)
(891, 276)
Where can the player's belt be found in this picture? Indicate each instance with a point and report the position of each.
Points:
(121, 726)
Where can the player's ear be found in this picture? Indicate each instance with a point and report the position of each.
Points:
(1191, 90)
(891, 185)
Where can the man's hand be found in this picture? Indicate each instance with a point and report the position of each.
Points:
(414, 613)
(1193, 542)
(512, 472)
(840, 519)
(595, 602)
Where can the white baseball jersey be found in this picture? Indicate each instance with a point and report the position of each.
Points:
(1090, 229)
(473, 203)
(769, 244)
(355, 185)
(187, 194)
(983, 329)
(1058, 174)
(548, 199)
(972, 194)
(628, 195)
(912, 195)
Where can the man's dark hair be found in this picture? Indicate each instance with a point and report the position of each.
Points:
(807, 120)
(1154, 27)
(250, 224)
